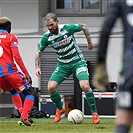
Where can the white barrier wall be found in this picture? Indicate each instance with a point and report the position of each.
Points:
(28, 48)
(114, 59)
(23, 14)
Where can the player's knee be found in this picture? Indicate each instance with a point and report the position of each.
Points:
(85, 87)
(30, 91)
(52, 87)
(13, 91)
(51, 90)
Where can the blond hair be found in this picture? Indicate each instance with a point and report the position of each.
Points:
(4, 20)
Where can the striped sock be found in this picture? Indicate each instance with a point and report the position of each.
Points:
(27, 107)
(16, 99)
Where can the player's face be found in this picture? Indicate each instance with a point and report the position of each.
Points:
(52, 26)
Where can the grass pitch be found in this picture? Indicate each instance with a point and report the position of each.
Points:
(46, 125)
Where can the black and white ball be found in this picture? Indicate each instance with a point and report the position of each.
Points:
(75, 116)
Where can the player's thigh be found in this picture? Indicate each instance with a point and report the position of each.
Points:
(125, 93)
(81, 71)
(60, 73)
(17, 81)
(4, 85)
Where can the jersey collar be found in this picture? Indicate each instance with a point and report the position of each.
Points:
(5, 31)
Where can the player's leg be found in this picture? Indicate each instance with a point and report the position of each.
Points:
(6, 86)
(18, 81)
(16, 99)
(123, 121)
(57, 77)
(56, 98)
(124, 100)
(125, 107)
(84, 84)
(82, 75)
(54, 94)
(27, 106)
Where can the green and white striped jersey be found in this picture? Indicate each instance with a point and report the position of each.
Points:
(64, 43)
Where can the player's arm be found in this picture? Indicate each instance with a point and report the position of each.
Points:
(17, 57)
(37, 62)
(87, 35)
(100, 79)
(41, 46)
(113, 13)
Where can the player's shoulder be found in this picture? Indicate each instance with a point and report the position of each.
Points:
(70, 25)
(12, 36)
(61, 25)
(46, 34)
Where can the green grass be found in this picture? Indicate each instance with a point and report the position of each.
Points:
(46, 125)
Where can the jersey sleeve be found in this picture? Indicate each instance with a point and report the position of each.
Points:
(113, 13)
(14, 41)
(74, 28)
(16, 54)
(43, 43)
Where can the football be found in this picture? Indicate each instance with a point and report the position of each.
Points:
(75, 116)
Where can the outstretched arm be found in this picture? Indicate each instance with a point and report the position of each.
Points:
(37, 61)
(87, 35)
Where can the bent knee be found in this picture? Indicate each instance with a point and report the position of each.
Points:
(84, 85)
(52, 86)
(29, 91)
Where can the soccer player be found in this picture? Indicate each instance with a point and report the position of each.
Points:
(70, 61)
(10, 78)
(123, 10)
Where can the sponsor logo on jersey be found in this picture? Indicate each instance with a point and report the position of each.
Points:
(63, 42)
(2, 36)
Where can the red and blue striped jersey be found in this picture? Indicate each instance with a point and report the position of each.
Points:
(9, 52)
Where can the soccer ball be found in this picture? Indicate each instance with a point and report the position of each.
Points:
(75, 116)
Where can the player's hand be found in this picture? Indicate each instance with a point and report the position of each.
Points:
(38, 72)
(28, 77)
(90, 46)
(100, 79)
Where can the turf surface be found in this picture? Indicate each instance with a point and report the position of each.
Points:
(46, 125)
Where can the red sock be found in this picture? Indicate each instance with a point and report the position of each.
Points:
(17, 102)
(28, 104)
